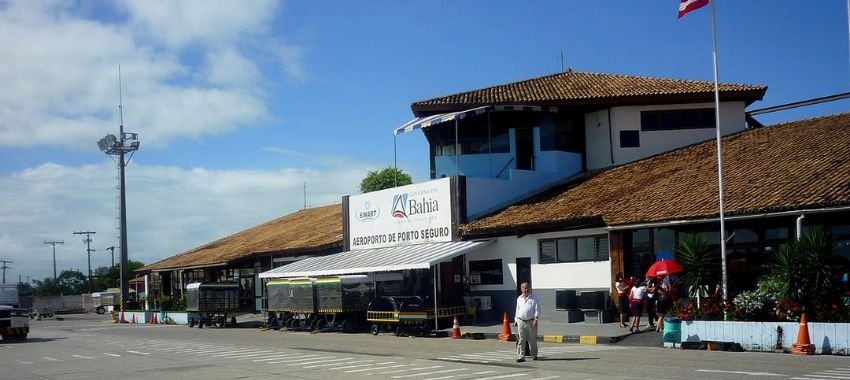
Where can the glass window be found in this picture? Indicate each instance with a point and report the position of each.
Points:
(489, 270)
(548, 252)
(629, 139)
(776, 233)
(566, 250)
(744, 235)
(664, 243)
(586, 248)
(667, 120)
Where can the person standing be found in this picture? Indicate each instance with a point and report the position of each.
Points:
(624, 286)
(527, 319)
(636, 303)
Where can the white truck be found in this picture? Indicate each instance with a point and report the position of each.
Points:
(14, 322)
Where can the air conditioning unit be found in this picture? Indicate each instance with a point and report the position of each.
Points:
(593, 300)
(480, 302)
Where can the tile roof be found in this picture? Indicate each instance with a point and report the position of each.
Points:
(784, 167)
(582, 88)
(313, 229)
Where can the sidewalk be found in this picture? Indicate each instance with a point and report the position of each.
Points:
(578, 332)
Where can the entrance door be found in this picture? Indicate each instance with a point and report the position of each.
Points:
(451, 285)
(525, 148)
(523, 272)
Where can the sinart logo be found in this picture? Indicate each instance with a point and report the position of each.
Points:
(367, 213)
(399, 206)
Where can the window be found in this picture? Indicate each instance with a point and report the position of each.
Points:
(629, 139)
(570, 250)
(669, 120)
(489, 270)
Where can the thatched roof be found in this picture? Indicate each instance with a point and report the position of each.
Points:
(310, 230)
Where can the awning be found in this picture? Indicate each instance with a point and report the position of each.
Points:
(420, 256)
(427, 121)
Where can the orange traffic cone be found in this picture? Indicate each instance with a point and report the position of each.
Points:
(133, 319)
(122, 320)
(155, 319)
(456, 330)
(803, 345)
(506, 335)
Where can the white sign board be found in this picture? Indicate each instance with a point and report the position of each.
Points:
(405, 215)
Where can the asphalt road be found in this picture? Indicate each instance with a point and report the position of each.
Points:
(89, 347)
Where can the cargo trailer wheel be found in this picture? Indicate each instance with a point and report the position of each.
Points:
(232, 321)
(375, 330)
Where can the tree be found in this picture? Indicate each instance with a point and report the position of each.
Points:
(111, 278)
(386, 178)
(807, 269)
(25, 289)
(68, 282)
(700, 265)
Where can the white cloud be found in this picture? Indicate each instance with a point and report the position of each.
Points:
(178, 23)
(189, 68)
(169, 209)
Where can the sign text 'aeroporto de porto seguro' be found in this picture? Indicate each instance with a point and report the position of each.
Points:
(406, 215)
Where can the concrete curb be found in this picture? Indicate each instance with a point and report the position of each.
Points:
(580, 339)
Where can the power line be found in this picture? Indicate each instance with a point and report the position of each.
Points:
(87, 240)
(53, 243)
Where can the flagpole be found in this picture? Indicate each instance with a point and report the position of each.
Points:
(719, 156)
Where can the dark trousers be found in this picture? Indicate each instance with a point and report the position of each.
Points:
(650, 310)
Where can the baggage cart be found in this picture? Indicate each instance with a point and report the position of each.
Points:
(212, 302)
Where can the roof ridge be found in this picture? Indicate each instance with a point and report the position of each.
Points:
(588, 73)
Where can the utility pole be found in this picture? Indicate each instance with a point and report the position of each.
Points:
(4, 267)
(112, 248)
(53, 243)
(87, 240)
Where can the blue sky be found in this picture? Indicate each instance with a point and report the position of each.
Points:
(239, 104)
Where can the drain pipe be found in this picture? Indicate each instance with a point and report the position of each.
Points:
(800, 225)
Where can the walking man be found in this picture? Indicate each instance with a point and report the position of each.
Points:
(526, 317)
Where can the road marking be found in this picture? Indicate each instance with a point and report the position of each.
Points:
(251, 352)
(273, 357)
(546, 378)
(741, 372)
(360, 365)
(410, 369)
(83, 356)
(429, 373)
(113, 355)
(52, 359)
(504, 376)
(464, 360)
(304, 358)
(321, 361)
(369, 369)
(818, 376)
(140, 353)
(331, 364)
(23, 362)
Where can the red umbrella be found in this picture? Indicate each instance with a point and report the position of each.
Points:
(664, 267)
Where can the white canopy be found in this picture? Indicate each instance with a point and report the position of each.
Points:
(420, 256)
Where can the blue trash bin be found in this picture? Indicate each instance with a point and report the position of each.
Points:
(672, 330)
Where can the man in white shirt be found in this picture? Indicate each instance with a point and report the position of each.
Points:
(526, 317)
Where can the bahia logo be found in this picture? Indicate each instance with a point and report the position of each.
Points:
(367, 213)
(403, 207)
(400, 206)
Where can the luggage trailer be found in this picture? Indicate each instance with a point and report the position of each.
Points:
(212, 302)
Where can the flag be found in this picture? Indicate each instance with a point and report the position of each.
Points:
(690, 5)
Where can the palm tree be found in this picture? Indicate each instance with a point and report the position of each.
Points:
(700, 265)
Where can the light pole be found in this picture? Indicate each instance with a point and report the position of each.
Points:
(53, 243)
(111, 249)
(111, 145)
(87, 240)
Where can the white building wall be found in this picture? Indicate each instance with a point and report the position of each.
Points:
(581, 275)
(732, 119)
(597, 139)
